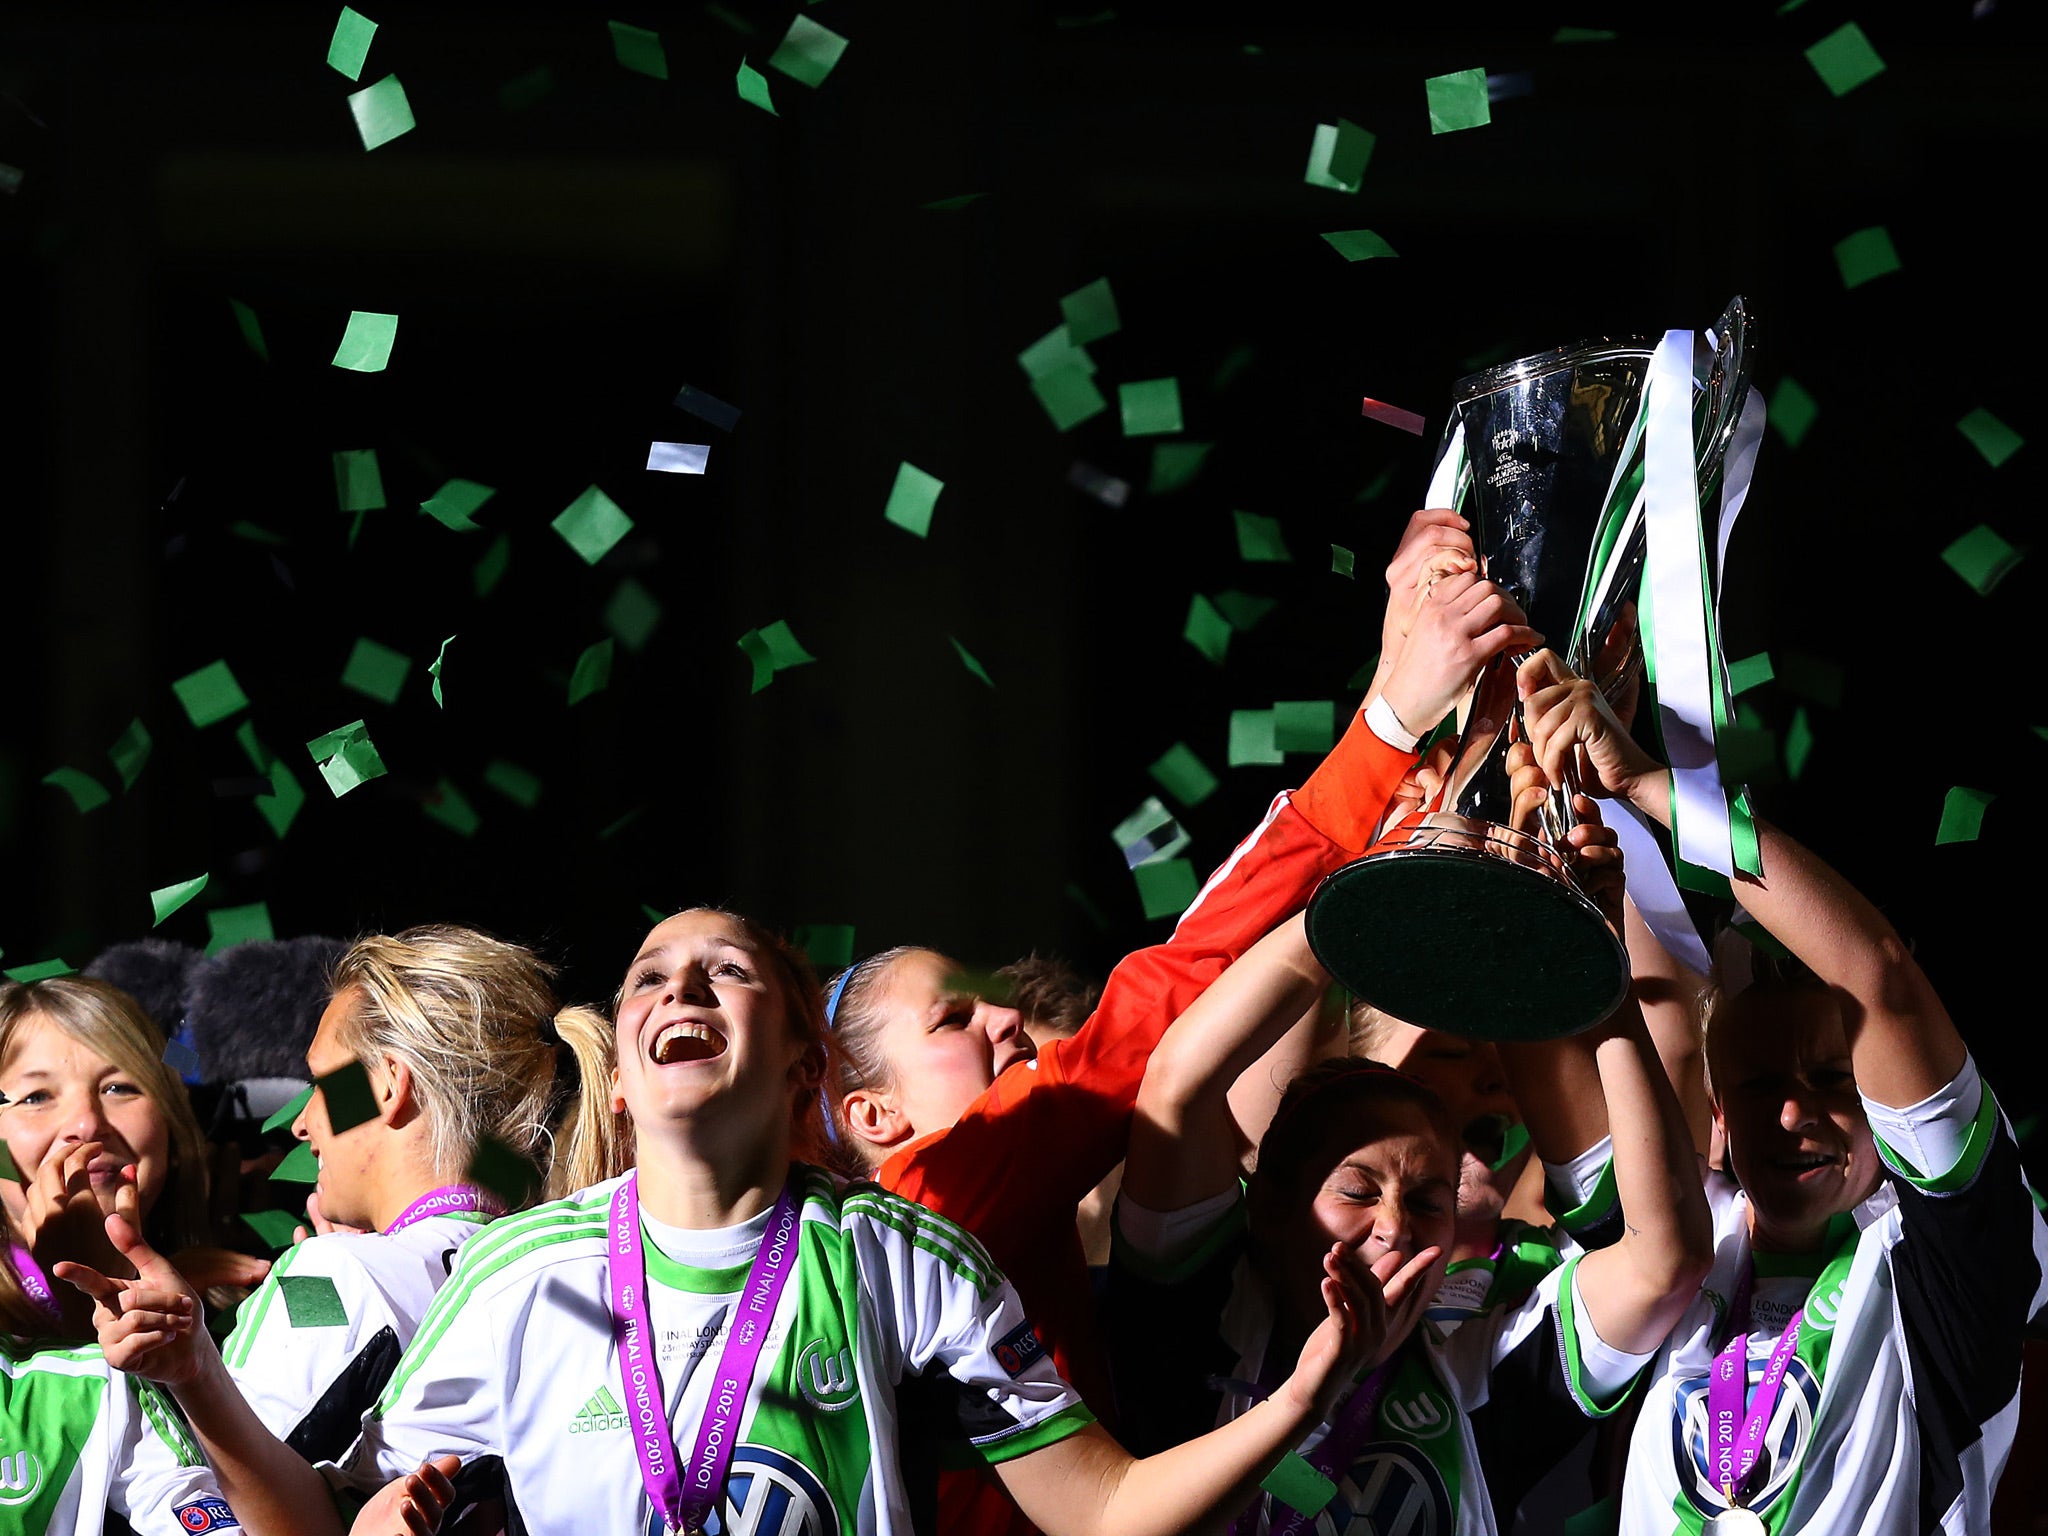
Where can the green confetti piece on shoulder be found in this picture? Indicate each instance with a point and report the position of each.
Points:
(1090, 312)
(1251, 740)
(639, 50)
(434, 671)
(1358, 244)
(42, 970)
(1175, 465)
(1052, 352)
(912, 498)
(348, 1096)
(1305, 725)
(299, 1166)
(1343, 562)
(275, 1228)
(807, 52)
(451, 808)
(1150, 407)
(1207, 630)
(1337, 156)
(1962, 815)
(281, 806)
(1990, 436)
(1798, 744)
(366, 344)
(1792, 411)
(287, 1113)
(456, 503)
(229, 926)
(1166, 889)
(1259, 538)
(753, 88)
(86, 792)
(1582, 35)
(130, 752)
(350, 45)
(171, 897)
(632, 615)
(1244, 610)
(593, 672)
(347, 757)
(376, 671)
(1982, 558)
(251, 328)
(1069, 396)
(592, 525)
(358, 483)
(967, 660)
(311, 1301)
(828, 946)
(1299, 1486)
(1183, 775)
(504, 1172)
(1458, 100)
(210, 695)
(517, 784)
(1867, 254)
(381, 112)
(1844, 59)
(1749, 672)
(490, 570)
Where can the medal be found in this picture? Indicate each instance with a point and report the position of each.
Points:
(1736, 1521)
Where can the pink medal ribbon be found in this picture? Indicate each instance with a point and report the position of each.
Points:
(445, 1201)
(685, 1499)
(1735, 1435)
(1347, 1436)
(34, 1283)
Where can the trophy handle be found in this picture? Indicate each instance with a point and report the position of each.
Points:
(1717, 409)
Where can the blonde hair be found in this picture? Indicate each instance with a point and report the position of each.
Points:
(475, 1021)
(111, 1024)
(1366, 1028)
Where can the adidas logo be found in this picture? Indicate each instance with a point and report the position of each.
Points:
(601, 1412)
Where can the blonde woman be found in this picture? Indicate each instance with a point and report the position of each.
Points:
(436, 1040)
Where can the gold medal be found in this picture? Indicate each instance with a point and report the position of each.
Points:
(1737, 1521)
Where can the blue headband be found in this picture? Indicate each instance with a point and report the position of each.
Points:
(838, 991)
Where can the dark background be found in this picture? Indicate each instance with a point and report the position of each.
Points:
(561, 268)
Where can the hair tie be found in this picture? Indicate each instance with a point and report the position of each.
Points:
(548, 1033)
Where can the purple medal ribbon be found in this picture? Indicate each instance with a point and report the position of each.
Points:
(444, 1201)
(685, 1500)
(1735, 1434)
(34, 1283)
(1347, 1436)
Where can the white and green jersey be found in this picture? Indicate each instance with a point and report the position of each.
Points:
(80, 1440)
(313, 1348)
(1897, 1409)
(898, 1340)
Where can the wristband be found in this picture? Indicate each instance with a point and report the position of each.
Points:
(1385, 724)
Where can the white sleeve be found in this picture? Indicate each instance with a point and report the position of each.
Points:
(1933, 1135)
(1580, 1177)
(1168, 1238)
(160, 1484)
(1543, 1352)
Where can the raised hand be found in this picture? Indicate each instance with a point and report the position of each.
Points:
(1569, 720)
(1436, 542)
(148, 1325)
(411, 1505)
(1368, 1307)
(1461, 624)
(64, 1215)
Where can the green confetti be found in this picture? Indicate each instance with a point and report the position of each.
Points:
(1166, 889)
(622, 823)
(1749, 672)
(86, 792)
(1207, 630)
(1337, 156)
(1305, 725)
(639, 50)
(376, 671)
(42, 970)
(1792, 411)
(967, 660)
(1458, 100)
(8, 1171)
(1962, 815)
(366, 344)
(592, 525)
(522, 91)
(1990, 436)
(1259, 538)
(358, 483)
(953, 204)
(381, 112)
(228, 926)
(517, 784)
(299, 1165)
(490, 570)
(1069, 397)
(1982, 558)
(456, 503)
(1844, 59)
(171, 897)
(1798, 743)
(632, 615)
(1235, 363)
(1150, 406)
(347, 757)
(282, 805)
(1251, 739)
(828, 946)
(130, 752)
(1582, 35)
(350, 1099)
(1362, 678)
(450, 807)
(1512, 1145)
(1244, 610)
(311, 1301)
(912, 498)
(1183, 775)
(287, 1113)
(772, 649)
(1867, 254)
(1052, 352)
(593, 672)
(1149, 835)
(1175, 465)
(1090, 313)
(1810, 677)
(242, 528)
(504, 1172)
(434, 671)
(276, 1228)
(1343, 562)
(210, 695)
(656, 915)
(807, 52)
(350, 45)
(1377, 486)
(251, 327)
(1358, 244)
(1299, 1486)
(753, 88)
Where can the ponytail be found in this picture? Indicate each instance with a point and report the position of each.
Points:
(591, 1142)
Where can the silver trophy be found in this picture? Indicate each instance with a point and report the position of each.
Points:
(1463, 917)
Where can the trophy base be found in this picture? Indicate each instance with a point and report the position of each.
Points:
(1467, 942)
